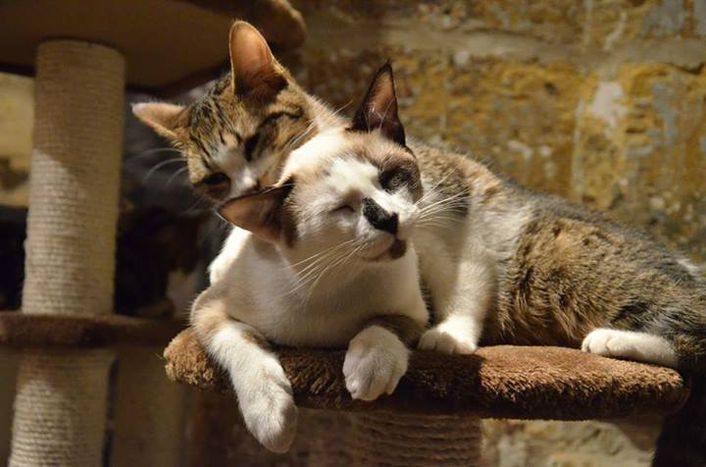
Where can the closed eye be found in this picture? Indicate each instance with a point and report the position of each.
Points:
(215, 179)
(394, 179)
(251, 145)
(343, 209)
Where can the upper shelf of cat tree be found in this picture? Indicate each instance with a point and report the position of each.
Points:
(497, 382)
(169, 45)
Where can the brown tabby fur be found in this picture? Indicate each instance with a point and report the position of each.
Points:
(573, 270)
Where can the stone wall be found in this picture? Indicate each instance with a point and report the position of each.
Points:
(600, 101)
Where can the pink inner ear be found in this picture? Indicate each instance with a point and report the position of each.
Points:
(251, 58)
(259, 213)
(161, 117)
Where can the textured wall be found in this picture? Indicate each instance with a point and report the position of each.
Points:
(16, 116)
(600, 101)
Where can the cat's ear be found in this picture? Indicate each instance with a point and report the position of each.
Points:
(379, 108)
(163, 118)
(254, 70)
(260, 213)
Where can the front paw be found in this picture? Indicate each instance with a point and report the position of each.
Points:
(268, 408)
(375, 362)
(450, 339)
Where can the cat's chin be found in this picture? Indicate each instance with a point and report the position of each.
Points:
(394, 249)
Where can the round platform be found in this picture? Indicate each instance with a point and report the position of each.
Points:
(496, 382)
(169, 46)
(30, 330)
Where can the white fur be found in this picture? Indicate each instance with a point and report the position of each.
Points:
(460, 266)
(319, 292)
(632, 345)
(264, 393)
(374, 364)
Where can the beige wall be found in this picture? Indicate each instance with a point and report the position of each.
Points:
(16, 115)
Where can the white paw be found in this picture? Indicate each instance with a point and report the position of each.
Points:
(603, 342)
(375, 362)
(611, 343)
(631, 345)
(447, 339)
(268, 407)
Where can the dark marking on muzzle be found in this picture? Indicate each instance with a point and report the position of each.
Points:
(378, 217)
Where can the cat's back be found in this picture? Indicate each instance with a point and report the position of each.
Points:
(575, 269)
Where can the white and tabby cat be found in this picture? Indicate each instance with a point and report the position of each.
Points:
(322, 259)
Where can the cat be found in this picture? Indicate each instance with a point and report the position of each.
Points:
(322, 259)
(235, 137)
(507, 265)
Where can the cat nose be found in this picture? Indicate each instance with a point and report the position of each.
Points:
(379, 218)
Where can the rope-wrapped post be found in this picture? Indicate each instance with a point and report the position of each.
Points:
(411, 440)
(60, 407)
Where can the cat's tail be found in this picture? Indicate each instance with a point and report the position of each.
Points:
(683, 438)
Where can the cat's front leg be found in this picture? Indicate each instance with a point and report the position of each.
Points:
(461, 294)
(377, 356)
(263, 390)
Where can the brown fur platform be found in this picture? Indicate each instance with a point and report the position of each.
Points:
(497, 382)
(23, 330)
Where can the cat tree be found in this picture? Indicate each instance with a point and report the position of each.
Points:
(83, 55)
(433, 416)
(69, 337)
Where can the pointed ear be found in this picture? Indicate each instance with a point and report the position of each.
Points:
(254, 69)
(260, 213)
(379, 108)
(159, 116)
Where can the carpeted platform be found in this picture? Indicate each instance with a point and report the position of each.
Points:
(496, 382)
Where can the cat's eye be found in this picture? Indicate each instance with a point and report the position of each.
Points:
(216, 179)
(251, 145)
(394, 179)
(344, 209)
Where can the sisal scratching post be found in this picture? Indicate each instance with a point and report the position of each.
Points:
(408, 440)
(60, 407)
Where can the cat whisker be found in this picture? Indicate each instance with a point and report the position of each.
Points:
(149, 152)
(458, 199)
(158, 166)
(196, 203)
(430, 191)
(342, 261)
(176, 174)
(312, 270)
(305, 260)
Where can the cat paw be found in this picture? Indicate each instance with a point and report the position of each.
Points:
(268, 409)
(632, 345)
(610, 343)
(451, 341)
(375, 361)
